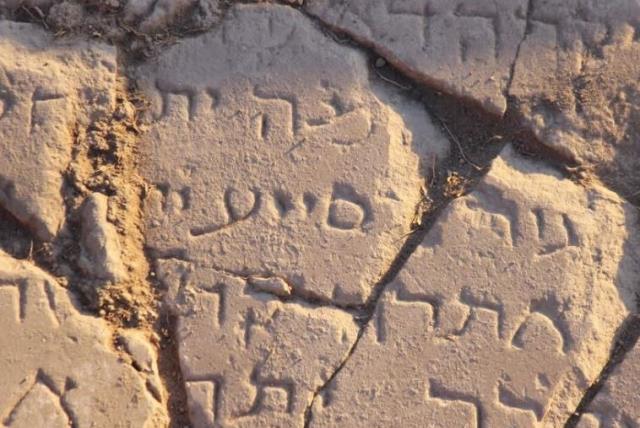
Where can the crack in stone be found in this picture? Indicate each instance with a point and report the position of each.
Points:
(527, 31)
(627, 337)
(629, 332)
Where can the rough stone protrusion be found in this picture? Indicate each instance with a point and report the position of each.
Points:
(504, 316)
(101, 253)
(144, 358)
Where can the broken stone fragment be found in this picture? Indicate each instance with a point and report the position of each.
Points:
(144, 358)
(247, 358)
(58, 366)
(272, 153)
(272, 285)
(463, 47)
(503, 316)
(101, 253)
(48, 88)
(616, 404)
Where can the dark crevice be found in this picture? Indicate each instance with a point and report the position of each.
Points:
(525, 34)
(626, 338)
(473, 147)
(170, 372)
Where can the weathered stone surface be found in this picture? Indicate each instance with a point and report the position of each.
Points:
(503, 316)
(58, 366)
(274, 155)
(101, 253)
(114, 18)
(464, 47)
(247, 358)
(156, 15)
(47, 89)
(616, 404)
(576, 83)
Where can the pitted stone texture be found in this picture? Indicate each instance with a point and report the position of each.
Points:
(616, 404)
(273, 155)
(143, 16)
(47, 89)
(576, 84)
(57, 365)
(503, 316)
(247, 358)
(465, 47)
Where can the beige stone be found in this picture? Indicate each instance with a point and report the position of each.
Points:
(58, 366)
(576, 85)
(464, 47)
(274, 155)
(144, 359)
(47, 89)
(247, 358)
(101, 253)
(616, 404)
(503, 316)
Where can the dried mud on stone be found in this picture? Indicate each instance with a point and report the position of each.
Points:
(381, 213)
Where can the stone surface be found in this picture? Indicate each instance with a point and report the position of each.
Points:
(247, 358)
(115, 18)
(503, 316)
(48, 89)
(274, 155)
(576, 85)
(573, 76)
(58, 366)
(616, 404)
(461, 46)
(101, 253)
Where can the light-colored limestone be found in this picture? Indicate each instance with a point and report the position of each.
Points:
(616, 404)
(576, 83)
(247, 358)
(144, 359)
(463, 47)
(58, 366)
(48, 88)
(273, 154)
(574, 79)
(101, 253)
(504, 315)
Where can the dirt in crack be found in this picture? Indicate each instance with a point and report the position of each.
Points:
(473, 148)
(626, 338)
(104, 162)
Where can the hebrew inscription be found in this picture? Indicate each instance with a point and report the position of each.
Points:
(58, 366)
(464, 47)
(43, 83)
(249, 359)
(503, 316)
(272, 152)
